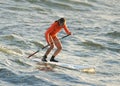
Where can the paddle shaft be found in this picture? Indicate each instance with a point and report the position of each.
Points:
(44, 47)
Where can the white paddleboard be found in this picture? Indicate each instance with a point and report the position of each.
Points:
(83, 68)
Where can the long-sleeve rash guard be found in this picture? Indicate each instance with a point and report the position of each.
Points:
(54, 29)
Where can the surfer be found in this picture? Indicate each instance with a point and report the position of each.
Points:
(52, 39)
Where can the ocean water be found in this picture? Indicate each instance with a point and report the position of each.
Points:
(95, 41)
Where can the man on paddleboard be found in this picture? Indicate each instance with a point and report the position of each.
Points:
(52, 39)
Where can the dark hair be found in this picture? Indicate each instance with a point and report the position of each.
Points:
(62, 20)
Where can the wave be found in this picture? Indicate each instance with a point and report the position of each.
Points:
(58, 5)
(16, 45)
(11, 51)
(14, 40)
(17, 40)
(42, 5)
(19, 62)
(83, 3)
(98, 45)
(12, 44)
(16, 79)
(9, 37)
(114, 34)
(92, 44)
(37, 44)
(61, 4)
(112, 45)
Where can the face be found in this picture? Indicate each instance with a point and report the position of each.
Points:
(61, 24)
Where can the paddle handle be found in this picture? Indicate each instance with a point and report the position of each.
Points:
(64, 36)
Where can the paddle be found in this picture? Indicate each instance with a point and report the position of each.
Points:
(44, 47)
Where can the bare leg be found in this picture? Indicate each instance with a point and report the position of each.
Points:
(49, 49)
(58, 45)
(59, 48)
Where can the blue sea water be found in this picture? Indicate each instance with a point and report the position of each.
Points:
(95, 41)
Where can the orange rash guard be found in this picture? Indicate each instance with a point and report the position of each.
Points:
(53, 30)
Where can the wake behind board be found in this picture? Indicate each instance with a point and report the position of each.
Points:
(82, 68)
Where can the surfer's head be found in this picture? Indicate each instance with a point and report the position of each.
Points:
(62, 21)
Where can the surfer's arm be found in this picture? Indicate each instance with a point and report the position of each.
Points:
(66, 30)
